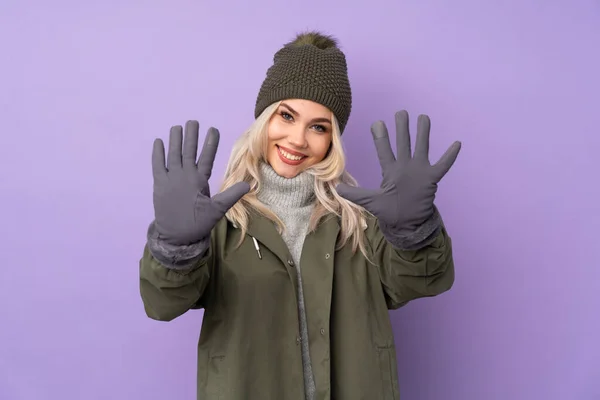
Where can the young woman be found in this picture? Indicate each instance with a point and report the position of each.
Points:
(295, 266)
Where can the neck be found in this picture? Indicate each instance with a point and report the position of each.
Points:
(285, 192)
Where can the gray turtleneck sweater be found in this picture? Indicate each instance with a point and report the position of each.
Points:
(293, 200)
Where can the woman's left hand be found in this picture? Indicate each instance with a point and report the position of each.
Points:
(405, 198)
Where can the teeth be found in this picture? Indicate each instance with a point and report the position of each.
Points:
(289, 156)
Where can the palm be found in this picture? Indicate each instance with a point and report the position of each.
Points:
(407, 192)
(184, 209)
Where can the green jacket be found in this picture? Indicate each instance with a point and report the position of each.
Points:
(249, 345)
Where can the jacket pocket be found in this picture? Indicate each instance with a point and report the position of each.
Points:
(388, 372)
(216, 377)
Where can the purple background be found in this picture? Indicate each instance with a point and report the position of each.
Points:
(86, 87)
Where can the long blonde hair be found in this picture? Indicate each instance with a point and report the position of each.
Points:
(250, 149)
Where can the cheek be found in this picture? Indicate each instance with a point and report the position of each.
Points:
(275, 131)
(320, 146)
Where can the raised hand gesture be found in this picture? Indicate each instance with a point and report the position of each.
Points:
(184, 211)
(405, 198)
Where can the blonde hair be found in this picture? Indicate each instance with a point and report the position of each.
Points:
(251, 148)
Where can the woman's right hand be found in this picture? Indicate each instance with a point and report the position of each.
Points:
(184, 211)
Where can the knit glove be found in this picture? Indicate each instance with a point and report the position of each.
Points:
(184, 210)
(404, 203)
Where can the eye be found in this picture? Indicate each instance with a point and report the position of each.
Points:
(320, 128)
(286, 116)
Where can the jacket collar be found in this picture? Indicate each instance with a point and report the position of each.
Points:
(266, 233)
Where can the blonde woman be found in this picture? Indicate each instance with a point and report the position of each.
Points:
(294, 265)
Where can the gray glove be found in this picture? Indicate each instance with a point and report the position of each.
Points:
(184, 211)
(405, 199)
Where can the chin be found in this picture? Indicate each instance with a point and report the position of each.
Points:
(286, 171)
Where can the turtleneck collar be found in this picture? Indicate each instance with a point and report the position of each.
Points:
(285, 192)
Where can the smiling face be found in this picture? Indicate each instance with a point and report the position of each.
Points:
(299, 135)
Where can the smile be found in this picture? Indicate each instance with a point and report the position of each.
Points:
(289, 158)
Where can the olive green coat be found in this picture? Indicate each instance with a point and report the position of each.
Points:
(249, 342)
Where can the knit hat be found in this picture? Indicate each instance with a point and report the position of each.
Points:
(310, 67)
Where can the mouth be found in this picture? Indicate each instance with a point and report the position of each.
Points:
(289, 156)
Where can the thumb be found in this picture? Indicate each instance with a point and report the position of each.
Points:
(227, 198)
(442, 167)
(357, 195)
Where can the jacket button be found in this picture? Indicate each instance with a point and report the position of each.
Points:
(322, 331)
(291, 262)
(327, 256)
(297, 340)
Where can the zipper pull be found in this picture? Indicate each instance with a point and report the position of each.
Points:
(256, 247)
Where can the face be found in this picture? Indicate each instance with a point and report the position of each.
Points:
(299, 134)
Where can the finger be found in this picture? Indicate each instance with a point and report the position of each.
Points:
(357, 195)
(447, 160)
(227, 198)
(422, 143)
(190, 144)
(209, 150)
(175, 139)
(403, 150)
(158, 159)
(382, 144)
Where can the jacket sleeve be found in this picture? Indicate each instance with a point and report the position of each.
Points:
(415, 265)
(173, 279)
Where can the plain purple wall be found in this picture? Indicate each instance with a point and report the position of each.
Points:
(87, 86)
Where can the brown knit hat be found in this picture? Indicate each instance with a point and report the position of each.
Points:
(310, 67)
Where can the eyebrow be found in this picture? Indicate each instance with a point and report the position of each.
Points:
(295, 113)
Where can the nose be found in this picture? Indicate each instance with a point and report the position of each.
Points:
(297, 137)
